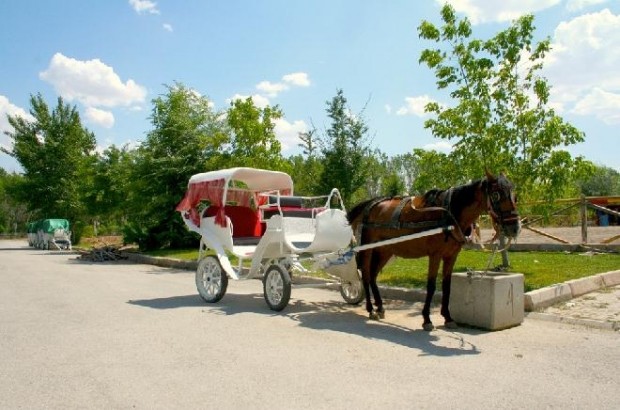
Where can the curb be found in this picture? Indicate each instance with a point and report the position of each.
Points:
(597, 324)
(550, 295)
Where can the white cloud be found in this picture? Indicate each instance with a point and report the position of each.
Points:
(441, 146)
(271, 89)
(288, 80)
(144, 6)
(388, 109)
(7, 108)
(577, 5)
(584, 63)
(482, 11)
(168, 27)
(601, 104)
(257, 99)
(102, 118)
(414, 106)
(288, 133)
(298, 79)
(91, 82)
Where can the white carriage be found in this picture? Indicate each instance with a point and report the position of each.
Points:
(251, 214)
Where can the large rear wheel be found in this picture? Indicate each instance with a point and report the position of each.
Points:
(211, 280)
(277, 287)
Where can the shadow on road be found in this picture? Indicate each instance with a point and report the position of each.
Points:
(335, 317)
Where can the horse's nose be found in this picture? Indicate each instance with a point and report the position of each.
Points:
(512, 227)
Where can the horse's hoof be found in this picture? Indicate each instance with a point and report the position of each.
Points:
(381, 314)
(428, 326)
(451, 325)
(373, 316)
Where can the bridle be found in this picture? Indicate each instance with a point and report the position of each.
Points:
(501, 204)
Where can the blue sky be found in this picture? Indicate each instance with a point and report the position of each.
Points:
(110, 58)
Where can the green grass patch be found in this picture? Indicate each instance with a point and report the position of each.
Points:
(540, 269)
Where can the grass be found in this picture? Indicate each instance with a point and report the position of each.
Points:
(540, 269)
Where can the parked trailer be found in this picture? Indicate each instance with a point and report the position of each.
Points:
(50, 234)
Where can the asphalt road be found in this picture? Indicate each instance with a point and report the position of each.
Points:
(80, 335)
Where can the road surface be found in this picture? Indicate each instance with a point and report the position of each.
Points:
(119, 335)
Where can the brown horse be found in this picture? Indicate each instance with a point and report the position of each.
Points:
(381, 219)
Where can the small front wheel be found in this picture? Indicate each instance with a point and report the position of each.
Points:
(211, 280)
(352, 292)
(277, 287)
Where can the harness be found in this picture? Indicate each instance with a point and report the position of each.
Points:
(395, 222)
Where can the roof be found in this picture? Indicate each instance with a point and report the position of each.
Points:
(255, 179)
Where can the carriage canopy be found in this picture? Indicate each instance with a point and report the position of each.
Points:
(239, 185)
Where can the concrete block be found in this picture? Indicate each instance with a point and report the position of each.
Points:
(545, 297)
(491, 301)
(582, 286)
(611, 278)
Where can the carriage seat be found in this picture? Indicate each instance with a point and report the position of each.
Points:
(291, 206)
(247, 228)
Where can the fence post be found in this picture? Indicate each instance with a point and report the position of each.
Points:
(584, 220)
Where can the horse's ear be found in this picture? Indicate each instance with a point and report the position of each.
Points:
(489, 176)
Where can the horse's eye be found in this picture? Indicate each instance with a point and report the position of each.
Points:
(495, 196)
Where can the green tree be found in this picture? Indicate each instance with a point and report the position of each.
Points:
(253, 141)
(500, 119)
(307, 167)
(109, 189)
(13, 213)
(344, 150)
(54, 150)
(603, 181)
(187, 138)
(435, 170)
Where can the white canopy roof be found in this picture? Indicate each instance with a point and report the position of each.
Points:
(255, 179)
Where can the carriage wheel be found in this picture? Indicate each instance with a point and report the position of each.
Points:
(277, 287)
(352, 292)
(211, 280)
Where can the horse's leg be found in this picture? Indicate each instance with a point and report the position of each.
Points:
(448, 265)
(377, 262)
(431, 283)
(364, 266)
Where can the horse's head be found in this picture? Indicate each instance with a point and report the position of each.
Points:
(502, 205)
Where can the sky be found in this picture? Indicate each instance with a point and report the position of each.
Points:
(111, 58)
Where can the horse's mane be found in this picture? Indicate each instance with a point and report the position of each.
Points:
(461, 196)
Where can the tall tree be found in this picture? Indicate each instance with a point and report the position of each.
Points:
(307, 167)
(500, 118)
(54, 150)
(603, 181)
(187, 138)
(253, 141)
(344, 150)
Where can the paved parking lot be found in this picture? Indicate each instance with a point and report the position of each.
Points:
(122, 335)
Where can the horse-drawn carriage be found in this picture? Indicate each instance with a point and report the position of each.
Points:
(252, 215)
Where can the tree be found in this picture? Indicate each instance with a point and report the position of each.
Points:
(13, 213)
(344, 151)
(187, 138)
(306, 168)
(54, 150)
(603, 181)
(109, 189)
(253, 141)
(500, 119)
